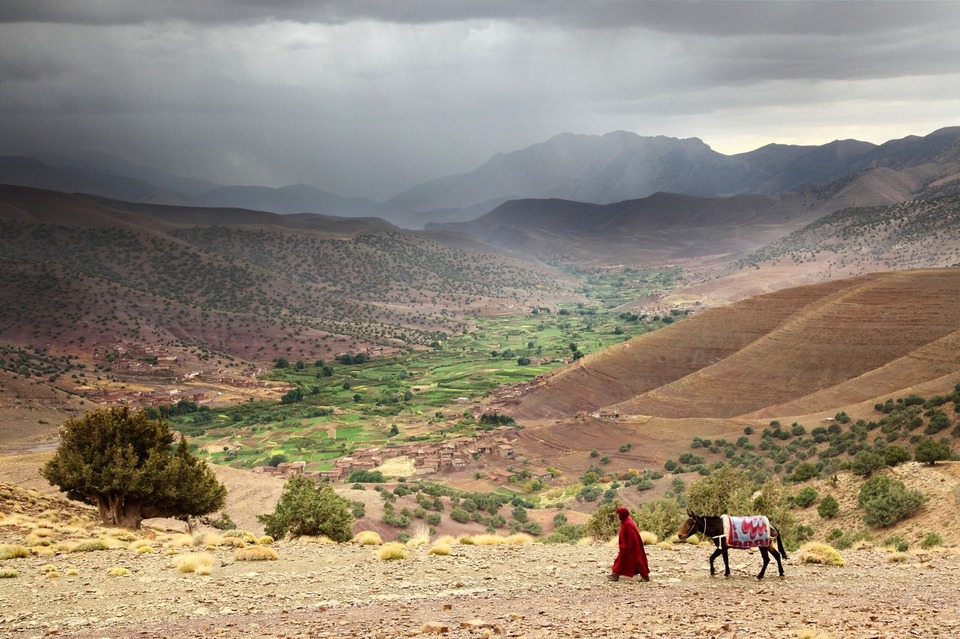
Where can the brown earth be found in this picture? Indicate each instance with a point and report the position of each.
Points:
(530, 591)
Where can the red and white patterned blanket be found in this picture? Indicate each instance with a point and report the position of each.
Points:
(746, 532)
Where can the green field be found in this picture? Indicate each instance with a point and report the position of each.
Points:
(338, 406)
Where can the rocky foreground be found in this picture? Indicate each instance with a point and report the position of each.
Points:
(530, 590)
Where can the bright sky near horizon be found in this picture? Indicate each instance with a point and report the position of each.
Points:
(371, 97)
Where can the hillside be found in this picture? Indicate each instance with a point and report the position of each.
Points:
(769, 350)
(241, 283)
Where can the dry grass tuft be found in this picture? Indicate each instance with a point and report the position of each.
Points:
(13, 551)
(118, 572)
(193, 562)
(520, 538)
(367, 538)
(817, 553)
(318, 539)
(207, 540)
(812, 634)
(265, 540)
(586, 540)
(449, 540)
(256, 553)
(439, 548)
(234, 542)
(421, 536)
(245, 538)
(649, 538)
(392, 551)
(898, 558)
(8, 573)
(179, 541)
(90, 545)
(121, 534)
(71, 572)
(144, 550)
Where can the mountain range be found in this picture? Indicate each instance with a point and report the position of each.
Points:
(591, 169)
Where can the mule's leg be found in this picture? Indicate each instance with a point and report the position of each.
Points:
(766, 560)
(716, 553)
(776, 555)
(726, 561)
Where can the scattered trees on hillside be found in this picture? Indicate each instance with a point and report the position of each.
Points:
(126, 464)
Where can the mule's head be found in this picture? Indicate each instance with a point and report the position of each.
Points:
(688, 526)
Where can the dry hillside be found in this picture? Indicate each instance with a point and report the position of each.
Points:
(872, 336)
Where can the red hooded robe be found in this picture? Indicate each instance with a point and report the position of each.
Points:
(632, 558)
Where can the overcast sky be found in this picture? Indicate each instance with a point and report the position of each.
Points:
(368, 97)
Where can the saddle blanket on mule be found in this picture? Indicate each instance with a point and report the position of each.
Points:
(746, 532)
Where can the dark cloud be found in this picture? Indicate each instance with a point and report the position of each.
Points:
(368, 97)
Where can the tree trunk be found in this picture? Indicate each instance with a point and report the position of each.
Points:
(120, 511)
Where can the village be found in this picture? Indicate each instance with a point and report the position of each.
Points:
(427, 458)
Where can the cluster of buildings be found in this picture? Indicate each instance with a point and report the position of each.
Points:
(427, 458)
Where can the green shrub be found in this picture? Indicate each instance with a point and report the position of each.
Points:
(895, 455)
(309, 508)
(805, 497)
(897, 542)
(803, 472)
(662, 517)
(886, 500)
(931, 540)
(828, 507)
(866, 462)
(930, 451)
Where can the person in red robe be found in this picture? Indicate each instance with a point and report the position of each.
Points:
(632, 558)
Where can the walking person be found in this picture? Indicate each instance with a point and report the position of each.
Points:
(632, 558)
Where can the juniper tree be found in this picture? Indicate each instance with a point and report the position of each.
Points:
(126, 465)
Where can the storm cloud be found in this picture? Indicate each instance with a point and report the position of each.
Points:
(370, 97)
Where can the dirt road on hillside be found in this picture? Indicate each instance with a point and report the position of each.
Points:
(532, 591)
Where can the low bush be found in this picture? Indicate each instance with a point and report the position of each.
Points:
(367, 538)
(817, 553)
(392, 551)
(440, 548)
(931, 540)
(886, 500)
(193, 562)
(805, 497)
(256, 553)
(13, 551)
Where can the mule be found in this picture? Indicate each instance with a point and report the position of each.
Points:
(713, 527)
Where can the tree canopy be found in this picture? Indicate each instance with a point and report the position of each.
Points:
(309, 508)
(126, 464)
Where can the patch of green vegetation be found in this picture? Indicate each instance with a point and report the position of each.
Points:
(358, 397)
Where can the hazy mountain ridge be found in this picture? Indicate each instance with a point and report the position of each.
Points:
(603, 169)
(622, 166)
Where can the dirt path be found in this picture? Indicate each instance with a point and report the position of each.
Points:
(533, 591)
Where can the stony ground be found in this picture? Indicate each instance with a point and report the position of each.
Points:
(531, 590)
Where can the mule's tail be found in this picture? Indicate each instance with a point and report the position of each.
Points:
(780, 548)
